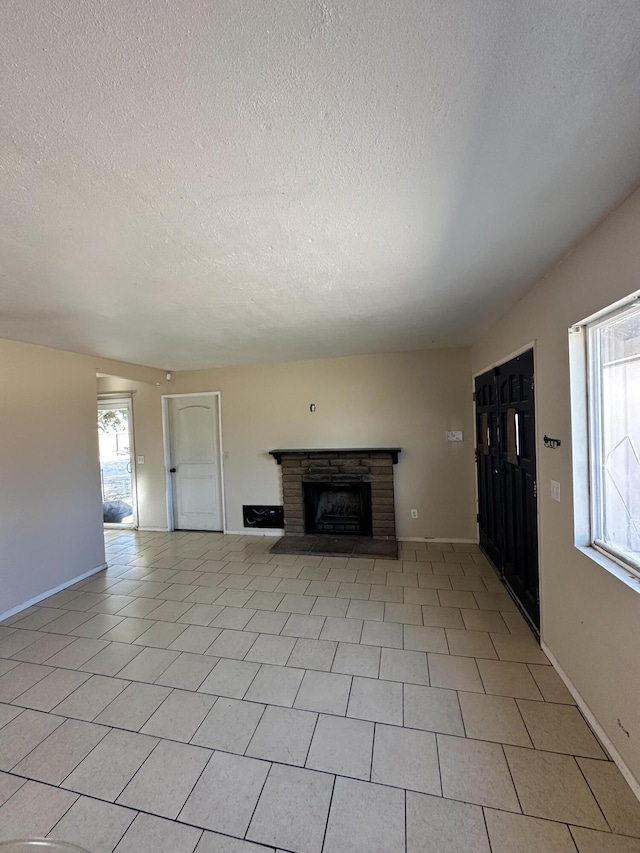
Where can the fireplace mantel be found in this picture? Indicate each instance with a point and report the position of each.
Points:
(278, 454)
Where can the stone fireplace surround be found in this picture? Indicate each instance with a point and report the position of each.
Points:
(369, 465)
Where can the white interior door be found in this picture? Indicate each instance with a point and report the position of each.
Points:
(195, 462)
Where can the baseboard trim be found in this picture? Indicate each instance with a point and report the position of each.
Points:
(244, 532)
(49, 592)
(255, 532)
(437, 539)
(595, 725)
(400, 538)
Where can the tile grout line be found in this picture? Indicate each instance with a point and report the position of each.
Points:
(250, 683)
(486, 828)
(464, 728)
(346, 709)
(593, 794)
(313, 734)
(326, 825)
(373, 749)
(253, 734)
(406, 826)
(513, 782)
(176, 819)
(524, 723)
(263, 786)
(571, 827)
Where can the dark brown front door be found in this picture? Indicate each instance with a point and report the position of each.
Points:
(507, 494)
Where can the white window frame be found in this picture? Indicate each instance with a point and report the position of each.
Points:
(594, 433)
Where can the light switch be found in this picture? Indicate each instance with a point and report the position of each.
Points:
(555, 490)
(454, 435)
(140, 460)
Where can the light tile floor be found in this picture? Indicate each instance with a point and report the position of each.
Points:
(202, 694)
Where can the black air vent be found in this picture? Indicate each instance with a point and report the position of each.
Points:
(256, 515)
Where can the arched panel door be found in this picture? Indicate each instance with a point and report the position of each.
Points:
(195, 463)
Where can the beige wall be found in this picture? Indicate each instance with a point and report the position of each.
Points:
(408, 400)
(50, 504)
(590, 619)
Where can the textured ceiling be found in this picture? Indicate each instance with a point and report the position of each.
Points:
(204, 182)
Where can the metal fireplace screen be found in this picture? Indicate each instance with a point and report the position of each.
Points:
(338, 508)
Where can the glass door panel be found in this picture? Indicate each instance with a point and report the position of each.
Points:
(116, 462)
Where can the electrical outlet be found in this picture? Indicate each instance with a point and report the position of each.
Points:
(454, 435)
(555, 490)
(414, 513)
(140, 460)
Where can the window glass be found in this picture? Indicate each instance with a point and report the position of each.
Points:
(614, 348)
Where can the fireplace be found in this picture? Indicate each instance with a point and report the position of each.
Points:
(343, 493)
(337, 508)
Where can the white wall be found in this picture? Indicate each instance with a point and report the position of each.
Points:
(590, 619)
(50, 503)
(408, 400)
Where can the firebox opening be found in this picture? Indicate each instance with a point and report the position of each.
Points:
(338, 508)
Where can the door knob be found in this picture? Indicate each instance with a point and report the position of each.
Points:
(172, 470)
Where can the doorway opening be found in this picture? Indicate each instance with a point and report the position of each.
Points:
(506, 470)
(193, 461)
(117, 462)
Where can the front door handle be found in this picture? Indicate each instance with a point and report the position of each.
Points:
(172, 470)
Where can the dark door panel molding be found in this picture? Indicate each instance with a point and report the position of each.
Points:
(506, 470)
